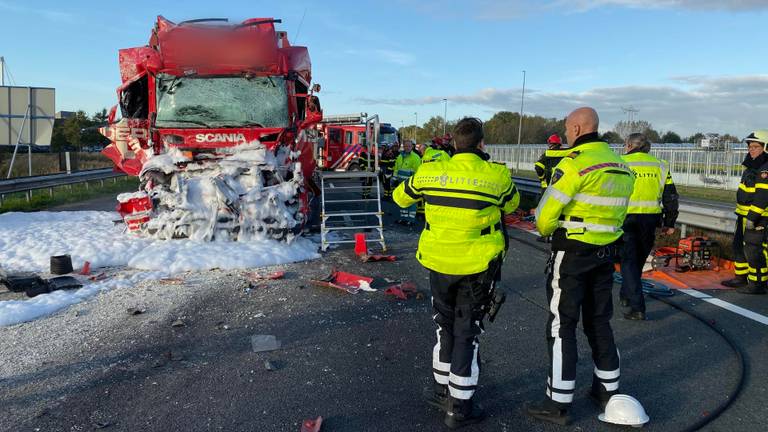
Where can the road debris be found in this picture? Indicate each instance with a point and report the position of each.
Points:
(312, 425)
(178, 323)
(86, 270)
(374, 258)
(344, 281)
(254, 276)
(135, 311)
(268, 365)
(402, 290)
(261, 343)
(171, 281)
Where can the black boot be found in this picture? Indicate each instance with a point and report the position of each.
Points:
(735, 282)
(752, 288)
(548, 410)
(635, 315)
(437, 396)
(463, 412)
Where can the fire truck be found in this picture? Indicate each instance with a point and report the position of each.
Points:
(342, 138)
(213, 120)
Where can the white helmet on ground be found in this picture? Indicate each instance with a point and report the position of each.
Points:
(624, 410)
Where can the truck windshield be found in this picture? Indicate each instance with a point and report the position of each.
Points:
(196, 102)
(387, 138)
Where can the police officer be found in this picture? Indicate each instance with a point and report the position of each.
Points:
(654, 203)
(405, 165)
(751, 203)
(583, 208)
(462, 246)
(433, 152)
(549, 159)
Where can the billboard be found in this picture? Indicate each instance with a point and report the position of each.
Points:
(37, 104)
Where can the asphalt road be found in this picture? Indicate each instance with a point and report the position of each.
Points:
(360, 361)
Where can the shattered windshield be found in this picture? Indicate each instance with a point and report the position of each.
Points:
(194, 102)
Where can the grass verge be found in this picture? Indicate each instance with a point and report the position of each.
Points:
(43, 199)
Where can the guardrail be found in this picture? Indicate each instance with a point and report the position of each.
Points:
(689, 166)
(693, 213)
(28, 184)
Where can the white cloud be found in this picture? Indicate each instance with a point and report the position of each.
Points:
(733, 104)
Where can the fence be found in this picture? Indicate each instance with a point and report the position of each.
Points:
(689, 166)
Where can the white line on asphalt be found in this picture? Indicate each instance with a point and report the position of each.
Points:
(762, 319)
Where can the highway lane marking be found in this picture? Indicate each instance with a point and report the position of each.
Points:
(762, 319)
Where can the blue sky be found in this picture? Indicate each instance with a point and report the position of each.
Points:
(687, 65)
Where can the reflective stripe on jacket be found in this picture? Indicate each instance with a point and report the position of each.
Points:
(464, 199)
(587, 198)
(651, 176)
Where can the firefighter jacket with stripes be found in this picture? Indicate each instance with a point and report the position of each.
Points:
(752, 196)
(586, 202)
(464, 199)
(547, 163)
(654, 191)
(363, 159)
(406, 164)
(387, 161)
(432, 154)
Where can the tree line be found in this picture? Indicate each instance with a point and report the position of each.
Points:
(79, 131)
(503, 128)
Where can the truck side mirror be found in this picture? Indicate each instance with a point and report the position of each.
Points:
(314, 114)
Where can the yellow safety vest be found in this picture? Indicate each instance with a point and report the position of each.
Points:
(587, 196)
(464, 199)
(651, 175)
(433, 154)
(406, 164)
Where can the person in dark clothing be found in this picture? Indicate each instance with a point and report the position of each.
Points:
(749, 262)
(548, 160)
(654, 203)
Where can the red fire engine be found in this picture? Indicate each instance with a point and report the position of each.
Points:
(342, 139)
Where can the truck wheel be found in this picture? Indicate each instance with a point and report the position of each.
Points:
(353, 167)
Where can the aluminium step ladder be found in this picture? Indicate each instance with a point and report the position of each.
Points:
(345, 207)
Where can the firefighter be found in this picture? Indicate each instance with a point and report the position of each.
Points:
(405, 165)
(583, 209)
(549, 159)
(751, 203)
(445, 144)
(653, 204)
(365, 162)
(387, 163)
(462, 246)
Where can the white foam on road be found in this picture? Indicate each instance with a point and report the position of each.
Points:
(18, 311)
(28, 240)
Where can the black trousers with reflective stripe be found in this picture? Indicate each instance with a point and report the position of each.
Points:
(755, 253)
(580, 283)
(458, 309)
(739, 259)
(639, 237)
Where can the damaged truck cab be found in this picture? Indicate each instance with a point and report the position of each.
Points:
(214, 121)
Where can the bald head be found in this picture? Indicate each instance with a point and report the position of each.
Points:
(581, 121)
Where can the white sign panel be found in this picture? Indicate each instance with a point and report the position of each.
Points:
(27, 111)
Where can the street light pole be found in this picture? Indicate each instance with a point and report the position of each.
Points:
(415, 136)
(520, 125)
(445, 115)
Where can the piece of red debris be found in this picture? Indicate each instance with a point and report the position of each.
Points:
(370, 258)
(344, 281)
(86, 269)
(402, 290)
(312, 425)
